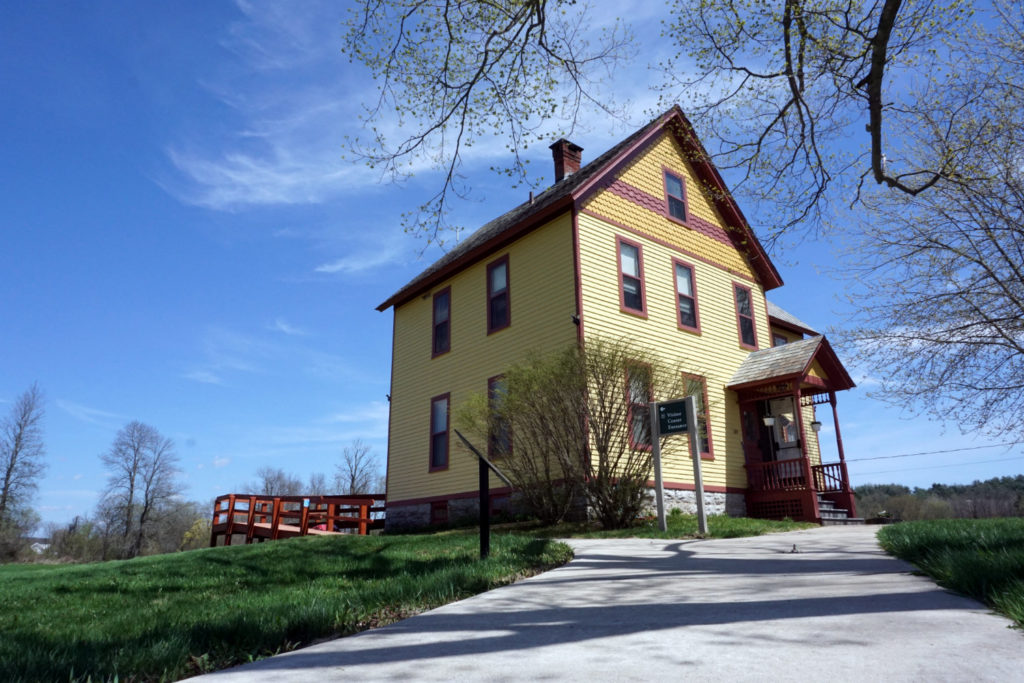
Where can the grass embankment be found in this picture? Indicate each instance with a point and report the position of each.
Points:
(982, 558)
(679, 526)
(170, 616)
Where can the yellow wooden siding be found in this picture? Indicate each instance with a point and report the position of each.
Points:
(813, 445)
(645, 173)
(541, 287)
(790, 336)
(715, 353)
(817, 371)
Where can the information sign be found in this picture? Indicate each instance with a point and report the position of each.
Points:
(672, 417)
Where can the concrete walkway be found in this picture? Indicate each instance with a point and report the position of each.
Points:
(838, 609)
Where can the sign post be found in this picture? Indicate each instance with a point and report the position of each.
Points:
(698, 477)
(675, 417)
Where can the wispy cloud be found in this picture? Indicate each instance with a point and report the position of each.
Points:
(368, 260)
(93, 416)
(282, 325)
(204, 377)
(291, 104)
(373, 412)
(221, 462)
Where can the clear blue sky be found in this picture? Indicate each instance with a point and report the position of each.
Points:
(183, 243)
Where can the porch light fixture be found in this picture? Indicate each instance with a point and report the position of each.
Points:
(769, 421)
(816, 426)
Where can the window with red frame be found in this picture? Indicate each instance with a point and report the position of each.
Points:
(498, 308)
(631, 276)
(697, 387)
(745, 315)
(442, 341)
(439, 433)
(686, 296)
(675, 196)
(499, 442)
(638, 396)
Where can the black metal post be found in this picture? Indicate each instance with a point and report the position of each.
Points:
(485, 511)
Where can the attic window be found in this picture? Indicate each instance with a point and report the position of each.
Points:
(675, 196)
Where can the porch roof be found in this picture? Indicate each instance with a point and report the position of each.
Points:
(790, 361)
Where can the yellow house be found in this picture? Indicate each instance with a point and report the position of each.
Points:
(645, 243)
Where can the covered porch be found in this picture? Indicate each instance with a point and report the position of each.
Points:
(779, 392)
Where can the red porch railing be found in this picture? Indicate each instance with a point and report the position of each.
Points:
(274, 517)
(780, 475)
(828, 478)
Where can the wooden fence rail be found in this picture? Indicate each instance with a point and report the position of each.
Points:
(259, 517)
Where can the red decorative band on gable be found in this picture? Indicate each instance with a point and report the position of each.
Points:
(657, 205)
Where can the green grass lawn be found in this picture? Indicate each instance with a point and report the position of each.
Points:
(170, 616)
(982, 558)
(679, 526)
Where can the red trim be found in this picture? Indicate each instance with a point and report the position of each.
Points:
(753, 321)
(447, 496)
(669, 245)
(434, 352)
(619, 241)
(815, 381)
(491, 295)
(709, 454)
(693, 286)
(685, 486)
(577, 274)
(439, 512)
(491, 381)
(776, 336)
(447, 398)
(656, 205)
(630, 405)
(665, 172)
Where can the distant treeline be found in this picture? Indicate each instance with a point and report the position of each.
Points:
(999, 497)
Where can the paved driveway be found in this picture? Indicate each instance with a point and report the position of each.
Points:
(736, 609)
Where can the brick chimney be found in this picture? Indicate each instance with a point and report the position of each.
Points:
(567, 158)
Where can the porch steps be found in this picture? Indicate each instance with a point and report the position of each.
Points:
(833, 516)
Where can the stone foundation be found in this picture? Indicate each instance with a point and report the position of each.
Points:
(466, 510)
(732, 504)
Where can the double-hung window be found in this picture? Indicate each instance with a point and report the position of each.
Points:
(745, 316)
(631, 277)
(697, 387)
(686, 297)
(675, 196)
(439, 432)
(638, 397)
(442, 338)
(499, 313)
(500, 433)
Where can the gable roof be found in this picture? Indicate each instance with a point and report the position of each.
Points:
(790, 361)
(787, 319)
(561, 196)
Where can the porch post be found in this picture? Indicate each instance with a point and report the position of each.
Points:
(812, 486)
(839, 441)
